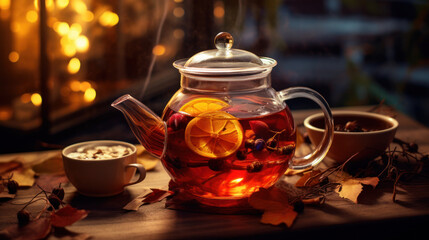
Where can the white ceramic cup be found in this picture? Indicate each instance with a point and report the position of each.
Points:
(102, 178)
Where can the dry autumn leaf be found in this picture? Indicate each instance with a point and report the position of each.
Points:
(157, 195)
(149, 195)
(275, 205)
(351, 188)
(309, 179)
(4, 194)
(138, 201)
(24, 177)
(51, 165)
(66, 216)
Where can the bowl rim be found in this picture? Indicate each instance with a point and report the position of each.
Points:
(98, 143)
(384, 118)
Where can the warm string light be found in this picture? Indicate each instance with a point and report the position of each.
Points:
(72, 39)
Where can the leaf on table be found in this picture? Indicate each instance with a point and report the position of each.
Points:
(24, 177)
(275, 205)
(4, 193)
(138, 201)
(351, 188)
(6, 167)
(54, 164)
(286, 216)
(67, 215)
(49, 181)
(309, 179)
(36, 229)
(157, 195)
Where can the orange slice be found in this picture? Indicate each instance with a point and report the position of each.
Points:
(214, 134)
(203, 105)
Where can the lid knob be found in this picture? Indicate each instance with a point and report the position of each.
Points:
(223, 41)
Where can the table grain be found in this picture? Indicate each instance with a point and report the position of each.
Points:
(376, 217)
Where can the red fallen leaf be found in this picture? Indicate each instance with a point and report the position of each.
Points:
(37, 229)
(260, 129)
(275, 205)
(50, 181)
(67, 216)
(308, 179)
(157, 195)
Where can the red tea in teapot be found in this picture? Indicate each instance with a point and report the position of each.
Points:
(226, 132)
(213, 154)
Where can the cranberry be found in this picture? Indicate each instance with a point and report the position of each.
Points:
(177, 121)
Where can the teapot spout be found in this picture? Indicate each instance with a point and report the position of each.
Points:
(148, 128)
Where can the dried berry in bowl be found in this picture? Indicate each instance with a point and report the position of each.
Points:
(363, 135)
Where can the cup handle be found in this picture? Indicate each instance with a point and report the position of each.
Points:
(140, 169)
(321, 150)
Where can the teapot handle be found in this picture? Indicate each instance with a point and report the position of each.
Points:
(321, 150)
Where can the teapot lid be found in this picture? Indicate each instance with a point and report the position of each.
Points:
(224, 60)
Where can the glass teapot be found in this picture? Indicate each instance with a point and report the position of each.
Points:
(226, 132)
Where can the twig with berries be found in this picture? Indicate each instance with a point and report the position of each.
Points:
(53, 201)
(11, 185)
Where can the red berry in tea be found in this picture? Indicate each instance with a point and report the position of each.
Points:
(177, 121)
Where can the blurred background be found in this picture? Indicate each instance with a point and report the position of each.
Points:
(62, 62)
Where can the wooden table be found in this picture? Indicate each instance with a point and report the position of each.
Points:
(336, 219)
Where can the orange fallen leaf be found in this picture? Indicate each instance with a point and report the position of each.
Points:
(275, 205)
(286, 216)
(308, 179)
(53, 164)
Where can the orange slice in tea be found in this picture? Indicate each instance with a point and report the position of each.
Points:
(203, 105)
(214, 134)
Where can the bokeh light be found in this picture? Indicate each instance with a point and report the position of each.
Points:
(14, 56)
(158, 50)
(109, 19)
(73, 66)
(36, 99)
